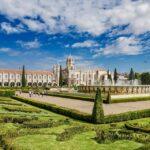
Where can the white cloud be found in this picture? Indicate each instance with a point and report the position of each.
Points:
(92, 16)
(34, 25)
(122, 46)
(85, 44)
(9, 51)
(30, 44)
(8, 28)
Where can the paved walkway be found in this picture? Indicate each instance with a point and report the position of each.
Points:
(87, 107)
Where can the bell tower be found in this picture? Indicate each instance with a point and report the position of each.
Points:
(70, 63)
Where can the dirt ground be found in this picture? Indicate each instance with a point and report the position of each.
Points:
(87, 107)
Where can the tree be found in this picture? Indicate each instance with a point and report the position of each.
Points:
(108, 100)
(131, 75)
(60, 77)
(109, 76)
(145, 78)
(115, 76)
(23, 79)
(98, 112)
(137, 75)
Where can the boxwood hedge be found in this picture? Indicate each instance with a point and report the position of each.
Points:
(84, 116)
(131, 99)
(57, 109)
(136, 128)
(7, 92)
(131, 115)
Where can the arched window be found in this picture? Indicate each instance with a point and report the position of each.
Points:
(12, 84)
(18, 84)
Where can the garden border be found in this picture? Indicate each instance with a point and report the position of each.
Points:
(84, 116)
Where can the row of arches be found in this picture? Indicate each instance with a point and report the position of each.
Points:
(40, 84)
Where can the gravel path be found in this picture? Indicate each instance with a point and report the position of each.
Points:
(87, 107)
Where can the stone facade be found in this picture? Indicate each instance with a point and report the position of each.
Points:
(78, 77)
(34, 78)
(117, 89)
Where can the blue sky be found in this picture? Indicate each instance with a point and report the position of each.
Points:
(97, 33)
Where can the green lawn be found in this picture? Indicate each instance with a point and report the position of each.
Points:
(16, 135)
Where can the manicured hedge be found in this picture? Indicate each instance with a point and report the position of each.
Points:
(70, 132)
(57, 109)
(21, 109)
(7, 93)
(136, 128)
(44, 124)
(84, 116)
(131, 99)
(72, 96)
(131, 115)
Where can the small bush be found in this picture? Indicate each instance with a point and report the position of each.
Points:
(113, 135)
(70, 132)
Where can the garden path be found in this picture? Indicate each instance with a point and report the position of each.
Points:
(85, 106)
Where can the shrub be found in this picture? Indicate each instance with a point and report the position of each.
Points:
(113, 135)
(98, 113)
(57, 109)
(72, 96)
(7, 92)
(83, 116)
(44, 124)
(70, 132)
(77, 96)
(132, 99)
(9, 103)
(15, 119)
(22, 109)
(137, 128)
(127, 116)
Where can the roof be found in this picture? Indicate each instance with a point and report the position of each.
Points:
(41, 72)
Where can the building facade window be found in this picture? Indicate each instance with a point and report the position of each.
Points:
(6, 76)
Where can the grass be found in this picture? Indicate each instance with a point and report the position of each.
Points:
(16, 136)
(81, 142)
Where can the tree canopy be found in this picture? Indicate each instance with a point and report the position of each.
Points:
(23, 79)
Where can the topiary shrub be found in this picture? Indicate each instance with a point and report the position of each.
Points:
(98, 112)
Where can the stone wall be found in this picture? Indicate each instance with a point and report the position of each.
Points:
(117, 89)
